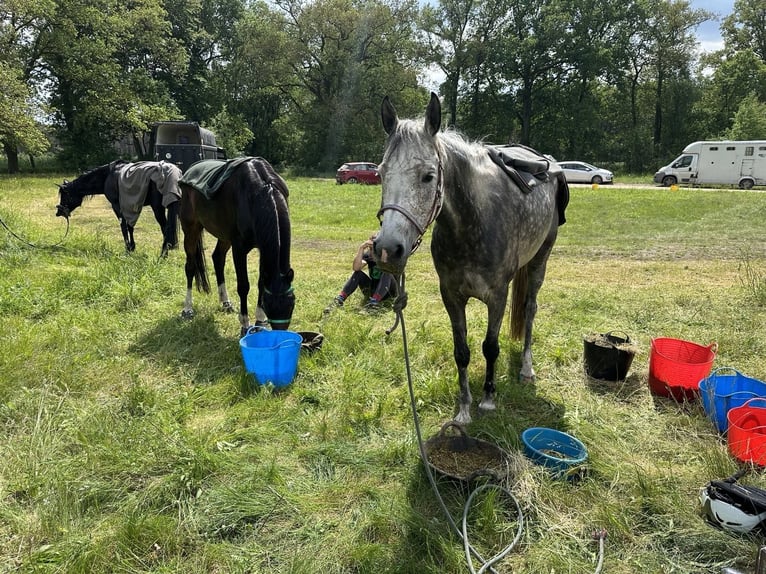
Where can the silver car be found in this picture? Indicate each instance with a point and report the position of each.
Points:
(581, 172)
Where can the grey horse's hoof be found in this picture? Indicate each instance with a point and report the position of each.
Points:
(187, 314)
(487, 406)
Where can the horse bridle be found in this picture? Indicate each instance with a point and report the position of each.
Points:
(433, 213)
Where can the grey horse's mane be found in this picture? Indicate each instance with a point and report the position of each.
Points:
(454, 139)
(450, 140)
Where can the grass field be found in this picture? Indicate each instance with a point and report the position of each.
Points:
(133, 441)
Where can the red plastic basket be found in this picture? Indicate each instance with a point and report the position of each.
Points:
(747, 432)
(676, 367)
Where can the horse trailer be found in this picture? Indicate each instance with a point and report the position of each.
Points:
(183, 143)
(741, 163)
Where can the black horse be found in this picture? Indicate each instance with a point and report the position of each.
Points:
(128, 187)
(243, 203)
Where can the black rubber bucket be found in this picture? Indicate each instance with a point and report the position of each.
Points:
(607, 356)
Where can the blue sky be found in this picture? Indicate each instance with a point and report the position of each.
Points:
(708, 33)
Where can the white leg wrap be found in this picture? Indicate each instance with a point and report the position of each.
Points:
(188, 305)
(223, 295)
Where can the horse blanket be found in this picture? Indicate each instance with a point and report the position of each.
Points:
(133, 183)
(208, 175)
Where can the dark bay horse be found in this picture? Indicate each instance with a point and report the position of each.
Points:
(128, 187)
(494, 222)
(243, 203)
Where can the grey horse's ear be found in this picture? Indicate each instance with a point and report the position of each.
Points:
(433, 115)
(388, 115)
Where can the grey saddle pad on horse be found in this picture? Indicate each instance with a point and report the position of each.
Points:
(208, 175)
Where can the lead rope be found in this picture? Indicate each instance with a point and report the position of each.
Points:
(60, 241)
(487, 565)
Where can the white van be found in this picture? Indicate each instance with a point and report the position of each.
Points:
(741, 163)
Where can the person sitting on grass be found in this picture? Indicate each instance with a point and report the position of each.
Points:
(377, 286)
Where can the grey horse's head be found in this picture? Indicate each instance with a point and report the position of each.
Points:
(411, 173)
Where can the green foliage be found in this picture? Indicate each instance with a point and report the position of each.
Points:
(17, 117)
(351, 55)
(301, 82)
(744, 28)
(750, 120)
(232, 132)
(256, 80)
(735, 76)
(108, 61)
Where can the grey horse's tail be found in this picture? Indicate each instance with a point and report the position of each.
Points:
(200, 268)
(518, 303)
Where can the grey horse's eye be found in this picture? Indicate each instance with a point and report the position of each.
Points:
(428, 178)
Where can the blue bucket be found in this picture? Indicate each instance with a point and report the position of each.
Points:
(559, 452)
(724, 389)
(271, 356)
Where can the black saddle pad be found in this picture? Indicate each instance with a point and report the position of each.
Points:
(526, 167)
(522, 164)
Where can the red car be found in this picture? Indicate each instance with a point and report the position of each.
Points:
(358, 172)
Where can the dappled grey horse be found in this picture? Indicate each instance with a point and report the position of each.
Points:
(496, 212)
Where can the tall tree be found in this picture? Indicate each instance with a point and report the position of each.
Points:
(259, 83)
(750, 120)
(17, 119)
(631, 84)
(347, 55)
(481, 84)
(606, 24)
(745, 27)
(670, 35)
(106, 63)
(22, 23)
(735, 75)
(532, 55)
(448, 29)
(203, 30)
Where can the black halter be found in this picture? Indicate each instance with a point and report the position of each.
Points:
(433, 213)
